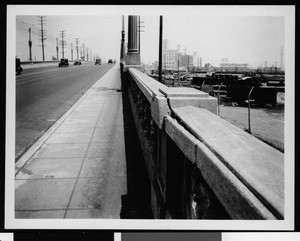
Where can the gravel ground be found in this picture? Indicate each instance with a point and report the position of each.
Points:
(266, 124)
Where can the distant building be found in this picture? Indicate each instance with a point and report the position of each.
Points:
(234, 67)
(186, 61)
(169, 59)
(195, 58)
(200, 62)
(154, 66)
(166, 44)
(224, 60)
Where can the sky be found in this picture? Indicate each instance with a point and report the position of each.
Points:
(251, 40)
(239, 38)
(100, 34)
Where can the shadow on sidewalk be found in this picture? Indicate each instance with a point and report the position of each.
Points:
(137, 203)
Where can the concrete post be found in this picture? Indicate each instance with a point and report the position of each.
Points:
(132, 34)
(133, 55)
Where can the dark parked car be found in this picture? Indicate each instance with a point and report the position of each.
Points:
(63, 63)
(110, 61)
(98, 61)
(19, 69)
(77, 62)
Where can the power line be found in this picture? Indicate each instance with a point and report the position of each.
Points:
(25, 23)
(25, 29)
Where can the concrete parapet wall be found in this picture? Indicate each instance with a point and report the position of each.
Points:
(232, 162)
(222, 171)
(163, 98)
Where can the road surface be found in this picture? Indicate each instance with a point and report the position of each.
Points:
(46, 93)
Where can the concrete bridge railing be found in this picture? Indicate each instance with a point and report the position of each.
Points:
(199, 165)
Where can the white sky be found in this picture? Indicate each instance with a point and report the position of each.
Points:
(100, 34)
(252, 40)
(241, 36)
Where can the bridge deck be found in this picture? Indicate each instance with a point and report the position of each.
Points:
(77, 169)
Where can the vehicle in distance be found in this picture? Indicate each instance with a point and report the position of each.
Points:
(110, 61)
(63, 63)
(19, 69)
(77, 62)
(98, 61)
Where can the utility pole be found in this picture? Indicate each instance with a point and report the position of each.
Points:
(87, 54)
(62, 34)
(72, 51)
(160, 48)
(30, 44)
(77, 46)
(57, 48)
(83, 52)
(42, 33)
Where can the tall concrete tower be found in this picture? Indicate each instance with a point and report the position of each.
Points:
(133, 53)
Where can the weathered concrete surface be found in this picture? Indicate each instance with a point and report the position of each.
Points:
(162, 98)
(149, 86)
(239, 201)
(79, 171)
(132, 59)
(183, 96)
(183, 92)
(258, 165)
(182, 138)
(159, 109)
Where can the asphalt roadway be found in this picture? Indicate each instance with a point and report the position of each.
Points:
(44, 94)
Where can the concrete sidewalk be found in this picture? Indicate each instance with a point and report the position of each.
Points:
(77, 169)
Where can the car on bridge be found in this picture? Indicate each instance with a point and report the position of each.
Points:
(77, 62)
(19, 69)
(63, 63)
(98, 61)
